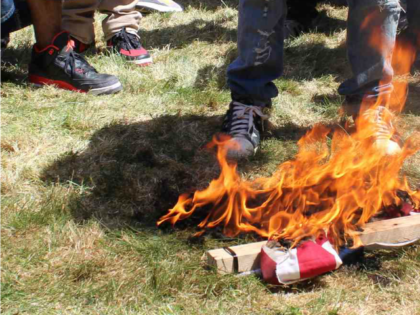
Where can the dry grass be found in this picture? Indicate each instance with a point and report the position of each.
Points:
(84, 179)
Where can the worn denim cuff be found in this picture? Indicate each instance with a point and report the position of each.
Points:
(7, 9)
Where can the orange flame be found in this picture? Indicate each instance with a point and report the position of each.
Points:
(335, 188)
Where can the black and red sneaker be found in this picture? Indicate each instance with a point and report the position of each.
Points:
(128, 45)
(80, 47)
(58, 64)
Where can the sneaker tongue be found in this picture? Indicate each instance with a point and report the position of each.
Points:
(62, 41)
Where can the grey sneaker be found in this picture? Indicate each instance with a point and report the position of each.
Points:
(243, 123)
(147, 6)
(383, 131)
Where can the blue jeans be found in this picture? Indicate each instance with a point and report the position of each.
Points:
(7, 9)
(260, 47)
(371, 66)
(16, 15)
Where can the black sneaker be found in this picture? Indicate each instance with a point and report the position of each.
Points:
(57, 64)
(128, 45)
(82, 48)
(244, 124)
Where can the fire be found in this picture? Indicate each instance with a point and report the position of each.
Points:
(335, 184)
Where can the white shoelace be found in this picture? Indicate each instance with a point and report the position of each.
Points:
(243, 118)
(383, 128)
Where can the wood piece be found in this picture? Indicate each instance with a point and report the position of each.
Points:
(392, 231)
(248, 258)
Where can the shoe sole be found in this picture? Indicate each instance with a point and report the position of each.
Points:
(41, 81)
(142, 62)
(157, 7)
(111, 89)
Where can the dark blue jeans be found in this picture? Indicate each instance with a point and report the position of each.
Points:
(371, 66)
(260, 47)
(15, 15)
(7, 10)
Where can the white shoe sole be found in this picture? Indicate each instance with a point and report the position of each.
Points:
(106, 89)
(142, 62)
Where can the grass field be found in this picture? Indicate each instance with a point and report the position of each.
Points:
(85, 178)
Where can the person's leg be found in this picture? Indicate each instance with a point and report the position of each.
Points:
(120, 29)
(78, 18)
(7, 10)
(413, 16)
(250, 77)
(46, 18)
(15, 16)
(371, 32)
(121, 14)
(260, 48)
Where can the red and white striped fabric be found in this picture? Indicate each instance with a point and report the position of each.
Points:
(308, 260)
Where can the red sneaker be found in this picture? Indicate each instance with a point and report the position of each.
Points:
(128, 45)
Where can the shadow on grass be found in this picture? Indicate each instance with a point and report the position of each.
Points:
(14, 64)
(211, 73)
(215, 4)
(210, 5)
(309, 60)
(311, 285)
(412, 105)
(180, 36)
(327, 25)
(133, 173)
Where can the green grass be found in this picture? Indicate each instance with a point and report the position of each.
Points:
(85, 178)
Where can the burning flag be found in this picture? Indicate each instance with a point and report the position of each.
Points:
(333, 186)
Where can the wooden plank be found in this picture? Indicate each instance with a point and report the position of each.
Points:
(392, 231)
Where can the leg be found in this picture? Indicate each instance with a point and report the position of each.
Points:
(7, 10)
(78, 17)
(371, 33)
(46, 17)
(251, 75)
(260, 48)
(14, 15)
(120, 30)
(413, 16)
(121, 14)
